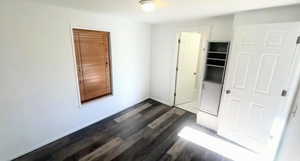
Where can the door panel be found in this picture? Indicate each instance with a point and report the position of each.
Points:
(242, 70)
(258, 70)
(266, 69)
(188, 55)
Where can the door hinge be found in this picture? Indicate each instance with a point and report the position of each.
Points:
(294, 111)
(284, 93)
(176, 69)
(179, 41)
(298, 40)
(174, 94)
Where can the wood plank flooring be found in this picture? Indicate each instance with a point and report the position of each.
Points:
(145, 132)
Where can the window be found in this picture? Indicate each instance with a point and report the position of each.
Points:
(93, 63)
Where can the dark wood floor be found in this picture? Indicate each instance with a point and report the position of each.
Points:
(145, 132)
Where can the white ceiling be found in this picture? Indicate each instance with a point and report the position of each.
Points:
(169, 10)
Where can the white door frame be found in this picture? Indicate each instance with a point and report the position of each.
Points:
(205, 33)
(285, 113)
(281, 123)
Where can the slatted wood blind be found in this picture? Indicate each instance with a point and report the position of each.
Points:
(93, 63)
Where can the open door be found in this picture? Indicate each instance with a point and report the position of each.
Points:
(187, 64)
(260, 66)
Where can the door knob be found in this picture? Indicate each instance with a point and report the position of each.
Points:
(195, 73)
(228, 91)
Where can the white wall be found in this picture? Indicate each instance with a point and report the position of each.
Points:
(39, 102)
(270, 15)
(164, 51)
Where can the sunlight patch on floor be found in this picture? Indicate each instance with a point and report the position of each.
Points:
(217, 145)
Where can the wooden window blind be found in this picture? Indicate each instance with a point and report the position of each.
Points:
(93, 63)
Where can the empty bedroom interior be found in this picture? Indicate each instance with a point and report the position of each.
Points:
(149, 80)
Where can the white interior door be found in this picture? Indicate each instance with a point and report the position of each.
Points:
(188, 55)
(289, 149)
(258, 70)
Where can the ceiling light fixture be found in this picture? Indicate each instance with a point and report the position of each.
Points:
(147, 5)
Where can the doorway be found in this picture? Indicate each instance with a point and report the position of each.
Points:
(188, 77)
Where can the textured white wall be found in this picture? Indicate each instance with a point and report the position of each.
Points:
(164, 50)
(39, 102)
(270, 15)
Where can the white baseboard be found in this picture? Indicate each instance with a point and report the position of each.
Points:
(161, 101)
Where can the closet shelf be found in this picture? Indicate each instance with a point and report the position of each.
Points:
(212, 65)
(218, 52)
(216, 59)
